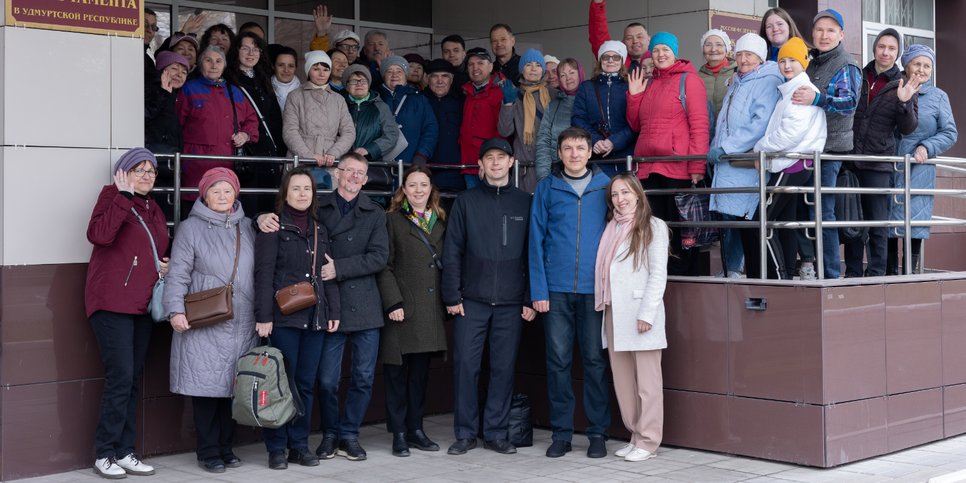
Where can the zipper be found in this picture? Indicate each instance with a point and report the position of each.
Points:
(577, 256)
(131, 270)
(255, 402)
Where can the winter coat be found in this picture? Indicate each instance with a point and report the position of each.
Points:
(639, 294)
(121, 272)
(875, 130)
(415, 119)
(162, 130)
(485, 254)
(203, 360)
(449, 115)
(317, 121)
(411, 282)
(375, 126)
(207, 123)
(270, 142)
(284, 258)
(511, 124)
(791, 128)
(555, 119)
(481, 113)
(665, 128)
(565, 231)
(511, 69)
(610, 112)
(936, 131)
(744, 115)
(716, 85)
(360, 248)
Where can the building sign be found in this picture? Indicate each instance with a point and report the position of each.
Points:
(733, 24)
(119, 17)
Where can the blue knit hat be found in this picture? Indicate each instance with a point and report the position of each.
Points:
(532, 55)
(665, 38)
(134, 157)
(918, 50)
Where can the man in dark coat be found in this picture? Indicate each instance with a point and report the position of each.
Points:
(485, 286)
(447, 103)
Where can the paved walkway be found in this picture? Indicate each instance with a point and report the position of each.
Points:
(530, 465)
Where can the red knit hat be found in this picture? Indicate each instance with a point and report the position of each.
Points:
(215, 175)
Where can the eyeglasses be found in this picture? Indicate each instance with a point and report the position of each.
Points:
(141, 172)
(152, 27)
(250, 50)
(612, 58)
(358, 82)
(349, 47)
(353, 172)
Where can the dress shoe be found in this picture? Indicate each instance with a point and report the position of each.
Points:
(461, 446)
(108, 468)
(352, 450)
(212, 465)
(134, 466)
(303, 457)
(231, 461)
(418, 439)
(277, 461)
(558, 448)
(399, 445)
(501, 446)
(327, 447)
(597, 448)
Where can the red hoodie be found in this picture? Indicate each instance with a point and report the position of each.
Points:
(665, 129)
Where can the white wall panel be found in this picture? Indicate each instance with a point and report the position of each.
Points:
(127, 92)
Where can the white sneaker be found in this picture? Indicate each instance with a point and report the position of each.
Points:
(108, 468)
(133, 465)
(639, 454)
(807, 272)
(627, 448)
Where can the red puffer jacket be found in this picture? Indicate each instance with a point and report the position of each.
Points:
(665, 129)
(481, 113)
(121, 273)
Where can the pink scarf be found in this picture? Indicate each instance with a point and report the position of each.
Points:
(614, 234)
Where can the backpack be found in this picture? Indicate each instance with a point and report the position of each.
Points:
(683, 97)
(848, 207)
(262, 395)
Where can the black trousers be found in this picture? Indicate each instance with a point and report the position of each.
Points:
(123, 342)
(783, 207)
(874, 207)
(214, 427)
(406, 392)
(681, 262)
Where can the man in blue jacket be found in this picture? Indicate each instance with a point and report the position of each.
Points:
(567, 219)
(484, 284)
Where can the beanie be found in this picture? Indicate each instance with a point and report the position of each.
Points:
(918, 50)
(134, 157)
(316, 57)
(356, 69)
(665, 38)
(613, 46)
(532, 55)
(168, 57)
(796, 49)
(891, 32)
(753, 43)
(391, 61)
(216, 175)
(549, 58)
(416, 58)
(720, 34)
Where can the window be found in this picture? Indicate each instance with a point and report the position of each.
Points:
(914, 19)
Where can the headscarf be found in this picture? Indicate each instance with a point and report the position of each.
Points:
(580, 76)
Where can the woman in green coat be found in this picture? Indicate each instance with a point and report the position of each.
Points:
(409, 286)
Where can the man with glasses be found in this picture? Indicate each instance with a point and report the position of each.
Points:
(150, 30)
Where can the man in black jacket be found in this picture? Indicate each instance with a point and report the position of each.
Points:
(485, 286)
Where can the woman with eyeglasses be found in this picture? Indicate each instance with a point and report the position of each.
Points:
(122, 272)
(376, 128)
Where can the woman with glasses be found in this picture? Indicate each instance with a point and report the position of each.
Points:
(376, 128)
(122, 272)
(316, 122)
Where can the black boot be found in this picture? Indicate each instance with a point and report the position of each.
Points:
(892, 263)
(915, 264)
(399, 445)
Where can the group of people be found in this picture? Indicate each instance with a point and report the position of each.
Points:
(582, 243)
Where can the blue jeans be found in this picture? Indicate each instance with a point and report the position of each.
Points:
(732, 251)
(323, 180)
(301, 350)
(365, 348)
(472, 180)
(572, 316)
(830, 236)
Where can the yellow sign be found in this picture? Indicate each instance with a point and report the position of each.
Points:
(119, 17)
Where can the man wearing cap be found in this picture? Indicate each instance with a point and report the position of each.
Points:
(484, 284)
(453, 50)
(447, 103)
(635, 35)
(481, 110)
(838, 79)
(505, 58)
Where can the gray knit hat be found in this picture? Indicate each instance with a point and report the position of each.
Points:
(394, 60)
(356, 69)
(891, 32)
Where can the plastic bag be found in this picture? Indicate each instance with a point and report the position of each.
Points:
(695, 207)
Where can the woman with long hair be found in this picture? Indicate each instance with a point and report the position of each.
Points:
(776, 28)
(600, 106)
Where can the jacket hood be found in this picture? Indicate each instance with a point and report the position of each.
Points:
(403, 89)
(768, 68)
(679, 66)
(794, 83)
(469, 89)
(200, 210)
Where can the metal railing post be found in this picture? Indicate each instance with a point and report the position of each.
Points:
(177, 190)
(762, 218)
(516, 173)
(906, 213)
(817, 199)
(296, 164)
(399, 175)
(630, 163)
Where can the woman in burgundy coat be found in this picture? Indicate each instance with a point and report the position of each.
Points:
(120, 278)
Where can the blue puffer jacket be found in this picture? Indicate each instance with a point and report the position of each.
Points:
(613, 105)
(564, 233)
(416, 120)
(743, 119)
(937, 133)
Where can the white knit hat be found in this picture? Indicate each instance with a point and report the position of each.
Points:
(314, 57)
(720, 34)
(612, 46)
(549, 58)
(752, 43)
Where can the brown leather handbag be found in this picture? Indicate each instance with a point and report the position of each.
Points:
(213, 306)
(301, 295)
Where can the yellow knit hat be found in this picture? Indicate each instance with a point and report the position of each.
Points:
(796, 49)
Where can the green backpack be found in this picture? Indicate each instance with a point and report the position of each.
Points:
(263, 395)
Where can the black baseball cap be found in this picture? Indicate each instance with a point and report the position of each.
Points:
(479, 52)
(495, 143)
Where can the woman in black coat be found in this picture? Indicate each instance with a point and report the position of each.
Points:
(295, 253)
(409, 286)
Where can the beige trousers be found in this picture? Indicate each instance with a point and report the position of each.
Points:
(639, 386)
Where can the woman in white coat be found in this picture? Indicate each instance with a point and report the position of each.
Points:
(631, 274)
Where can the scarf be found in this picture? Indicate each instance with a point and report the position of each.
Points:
(530, 114)
(580, 75)
(282, 89)
(614, 234)
(717, 68)
(425, 220)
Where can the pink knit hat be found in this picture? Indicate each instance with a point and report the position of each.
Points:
(215, 175)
